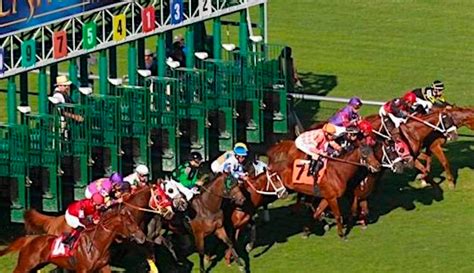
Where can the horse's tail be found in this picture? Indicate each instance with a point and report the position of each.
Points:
(17, 245)
(37, 223)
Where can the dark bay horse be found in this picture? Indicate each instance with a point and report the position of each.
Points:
(259, 190)
(414, 133)
(434, 142)
(92, 253)
(209, 217)
(282, 156)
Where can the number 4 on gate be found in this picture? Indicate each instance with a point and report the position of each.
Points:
(120, 29)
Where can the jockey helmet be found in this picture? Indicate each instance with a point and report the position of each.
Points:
(195, 156)
(116, 179)
(409, 97)
(355, 102)
(142, 170)
(240, 144)
(240, 151)
(329, 128)
(438, 85)
(365, 126)
(98, 199)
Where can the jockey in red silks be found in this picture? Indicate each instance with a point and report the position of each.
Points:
(78, 214)
(347, 116)
(316, 143)
(366, 129)
(395, 112)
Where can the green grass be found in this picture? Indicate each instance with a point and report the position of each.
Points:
(377, 49)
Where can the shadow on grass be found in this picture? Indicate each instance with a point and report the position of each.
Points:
(395, 191)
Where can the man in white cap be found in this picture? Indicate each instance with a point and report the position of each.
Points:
(150, 62)
(139, 178)
(61, 95)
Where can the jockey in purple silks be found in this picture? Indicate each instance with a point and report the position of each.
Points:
(347, 116)
(107, 187)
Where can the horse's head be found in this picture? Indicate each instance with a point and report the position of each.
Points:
(122, 222)
(367, 158)
(394, 155)
(448, 126)
(235, 194)
(171, 189)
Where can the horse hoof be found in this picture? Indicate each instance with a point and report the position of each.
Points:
(326, 227)
(344, 238)
(305, 236)
(242, 268)
(249, 247)
(424, 184)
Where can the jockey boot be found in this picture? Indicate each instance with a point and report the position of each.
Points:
(311, 167)
(315, 167)
(72, 237)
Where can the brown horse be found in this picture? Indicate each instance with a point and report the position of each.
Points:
(259, 190)
(209, 217)
(282, 156)
(414, 133)
(92, 252)
(38, 223)
(434, 142)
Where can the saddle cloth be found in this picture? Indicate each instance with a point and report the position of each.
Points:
(59, 249)
(300, 173)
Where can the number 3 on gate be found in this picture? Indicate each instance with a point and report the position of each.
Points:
(176, 11)
(120, 29)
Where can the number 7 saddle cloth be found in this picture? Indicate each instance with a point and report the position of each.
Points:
(300, 172)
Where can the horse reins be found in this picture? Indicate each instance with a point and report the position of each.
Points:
(343, 161)
(139, 208)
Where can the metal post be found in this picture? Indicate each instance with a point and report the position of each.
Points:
(103, 83)
(42, 91)
(24, 89)
(243, 33)
(190, 46)
(132, 64)
(84, 70)
(141, 53)
(74, 79)
(161, 53)
(53, 73)
(113, 62)
(217, 38)
(12, 116)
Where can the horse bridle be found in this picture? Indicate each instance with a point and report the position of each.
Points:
(277, 191)
(387, 162)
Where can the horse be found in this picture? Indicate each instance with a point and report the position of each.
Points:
(93, 245)
(414, 132)
(433, 143)
(283, 154)
(259, 190)
(209, 218)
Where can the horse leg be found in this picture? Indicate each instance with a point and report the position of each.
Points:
(105, 269)
(199, 241)
(364, 212)
(354, 210)
(253, 236)
(221, 234)
(438, 152)
(228, 253)
(333, 204)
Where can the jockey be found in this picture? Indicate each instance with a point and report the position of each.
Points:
(187, 173)
(218, 164)
(395, 112)
(139, 178)
(347, 116)
(430, 96)
(366, 129)
(316, 143)
(79, 213)
(106, 186)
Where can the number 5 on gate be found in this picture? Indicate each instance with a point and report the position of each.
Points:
(119, 26)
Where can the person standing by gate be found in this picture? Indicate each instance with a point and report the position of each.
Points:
(61, 95)
(150, 62)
